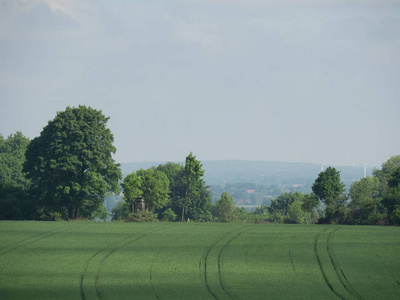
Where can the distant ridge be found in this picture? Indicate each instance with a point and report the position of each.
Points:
(221, 172)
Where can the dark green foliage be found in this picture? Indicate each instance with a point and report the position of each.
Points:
(70, 164)
(199, 204)
(154, 187)
(310, 202)
(282, 203)
(389, 188)
(12, 157)
(330, 190)
(189, 197)
(328, 187)
(365, 207)
(226, 208)
(391, 200)
(151, 184)
(169, 215)
(384, 174)
(14, 199)
(335, 211)
(287, 208)
(192, 181)
(120, 211)
(14, 203)
(175, 174)
(132, 189)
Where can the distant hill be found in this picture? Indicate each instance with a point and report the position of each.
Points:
(222, 172)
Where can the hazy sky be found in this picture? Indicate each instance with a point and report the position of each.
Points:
(275, 80)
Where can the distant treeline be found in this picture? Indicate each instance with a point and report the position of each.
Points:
(68, 173)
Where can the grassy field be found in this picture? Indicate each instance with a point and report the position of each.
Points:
(87, 260)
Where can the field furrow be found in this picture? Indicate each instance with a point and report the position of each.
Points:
(212, 266)
(388, 270)
(37, 237)
(339, 271)
(90, 287)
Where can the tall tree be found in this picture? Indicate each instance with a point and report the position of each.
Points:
(328, 187)
(193, 181)
(225, 208)
(71, 164)
(176, 176)
(330, 190)
(198, 203)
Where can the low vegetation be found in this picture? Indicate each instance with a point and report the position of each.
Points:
(118, 260)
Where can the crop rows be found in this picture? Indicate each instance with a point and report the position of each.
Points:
(85, 260)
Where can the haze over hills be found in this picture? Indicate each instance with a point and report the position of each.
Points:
(253, 183)
(222, 172)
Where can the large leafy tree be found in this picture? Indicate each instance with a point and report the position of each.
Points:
(365, 208)
(330, 190)
(328, 186)
(71, 164)
(192, 181)
(199, 204)
(154, 187)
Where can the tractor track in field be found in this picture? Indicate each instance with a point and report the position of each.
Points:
(11, 247)
(151, 281)
(219, 262)
(339, 271)
(340, 276)
(387, 269)
(84, 272)
(291, 260)
(205, 267)
(108, 251)
(322, 269)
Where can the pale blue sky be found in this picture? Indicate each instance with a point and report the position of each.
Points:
(305, 80)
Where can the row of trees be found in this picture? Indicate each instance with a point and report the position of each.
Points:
(66, 172)
(171, 191)
(370, 201)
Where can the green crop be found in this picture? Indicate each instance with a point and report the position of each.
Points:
(89, 260)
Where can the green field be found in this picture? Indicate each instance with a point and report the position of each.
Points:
(88, 260)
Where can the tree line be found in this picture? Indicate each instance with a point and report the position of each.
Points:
(67, 171)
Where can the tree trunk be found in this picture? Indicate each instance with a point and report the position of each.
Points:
(70, 212)
(77, 210)
(184, 205)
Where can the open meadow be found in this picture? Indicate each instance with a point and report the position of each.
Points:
(90, 260)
